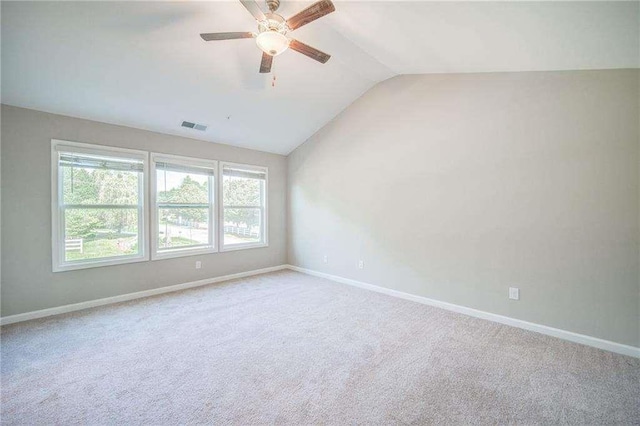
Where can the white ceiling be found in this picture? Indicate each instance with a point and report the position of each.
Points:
(143, 64)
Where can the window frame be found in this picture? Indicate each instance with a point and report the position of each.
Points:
(213, 206)
(58, 240)
(264, 208)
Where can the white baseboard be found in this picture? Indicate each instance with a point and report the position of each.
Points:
(543, 329)
(550, 331)
(130, 296)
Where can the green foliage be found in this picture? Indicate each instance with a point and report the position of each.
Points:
(79, 186)
(82, 223)
(190, 191)
(240, 217)
(99, 186)
(242, 192)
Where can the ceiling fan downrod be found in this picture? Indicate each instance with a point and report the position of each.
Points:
(273, 5)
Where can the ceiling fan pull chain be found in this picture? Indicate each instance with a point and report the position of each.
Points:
(273, 81)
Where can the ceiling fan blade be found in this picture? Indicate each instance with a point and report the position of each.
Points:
(311, 13)
(309, 51)
(265, 64)
(225, 36)
(253, 9)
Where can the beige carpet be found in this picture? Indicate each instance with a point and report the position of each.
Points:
(287, 348)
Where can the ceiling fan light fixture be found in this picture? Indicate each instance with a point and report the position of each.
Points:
(272, 42)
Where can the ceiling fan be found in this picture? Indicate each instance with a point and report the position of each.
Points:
(272, 37)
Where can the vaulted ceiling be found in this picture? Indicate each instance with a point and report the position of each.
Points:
(143, 64)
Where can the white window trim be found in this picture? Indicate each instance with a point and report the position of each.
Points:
(213, 208)
(57, 227)
(265, 209)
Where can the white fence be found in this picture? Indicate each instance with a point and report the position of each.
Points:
(243, 232)
(74, 245)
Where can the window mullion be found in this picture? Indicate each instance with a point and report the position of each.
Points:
(62, 234)
(142, 235)
(212, 224)
(263, 225)
(183, 206)
(101, 206)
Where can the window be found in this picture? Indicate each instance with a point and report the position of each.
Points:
(98, 205)
(99, 211)
(183, 194)
(244, 206)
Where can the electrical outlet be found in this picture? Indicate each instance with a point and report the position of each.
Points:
(514, 293)
(361, 264)
(325, 259)
(198, 264)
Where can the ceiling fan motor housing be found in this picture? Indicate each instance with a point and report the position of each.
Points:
(274, 22)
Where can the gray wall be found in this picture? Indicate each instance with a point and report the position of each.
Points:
(27, 281)
(456, 187)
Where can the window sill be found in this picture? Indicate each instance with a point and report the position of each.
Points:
(183, 253)
(236, 247)
(98, 264)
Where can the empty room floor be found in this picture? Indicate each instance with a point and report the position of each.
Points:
(290, 348)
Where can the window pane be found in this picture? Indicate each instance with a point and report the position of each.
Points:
(182, 188)
(99, 186)
(241, 191)
(100, 233)
(242, 226)
(182, 227)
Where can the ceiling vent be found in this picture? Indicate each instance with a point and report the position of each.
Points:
(194, 126)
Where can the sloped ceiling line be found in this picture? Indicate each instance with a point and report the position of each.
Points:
(143, 64)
